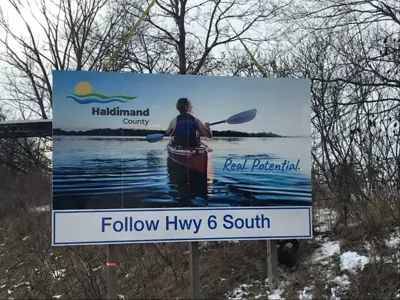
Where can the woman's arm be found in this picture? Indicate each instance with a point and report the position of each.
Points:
(204, 129)
(171, 128)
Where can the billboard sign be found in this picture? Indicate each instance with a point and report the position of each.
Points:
(156, 158)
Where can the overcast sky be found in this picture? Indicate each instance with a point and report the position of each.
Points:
(283, 105)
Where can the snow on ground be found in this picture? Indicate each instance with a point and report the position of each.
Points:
(239, 293)
(394, 242)
(306, 293)
(325, 258)
(39, 209)
(341, 285)
(246, 291)
(352, 261)
(276, 294)
(59, 274)
(324, 220)
(394, 239)
(324, 254)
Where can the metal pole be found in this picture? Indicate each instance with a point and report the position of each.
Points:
(272, 263)
(194, 269)
(111, 272)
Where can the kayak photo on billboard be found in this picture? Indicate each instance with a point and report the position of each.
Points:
(128, 140)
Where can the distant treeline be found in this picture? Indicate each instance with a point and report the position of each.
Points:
(144, 132)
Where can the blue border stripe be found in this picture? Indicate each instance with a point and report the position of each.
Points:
(236, 238)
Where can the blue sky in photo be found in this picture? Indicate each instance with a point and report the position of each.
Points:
(283, 105)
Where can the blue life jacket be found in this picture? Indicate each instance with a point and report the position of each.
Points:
(186, 130)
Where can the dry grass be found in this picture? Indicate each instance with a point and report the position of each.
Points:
(376, 281)
(160, 271)
(369, 226)
(146, 271)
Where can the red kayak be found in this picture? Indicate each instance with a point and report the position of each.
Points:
(195, 158)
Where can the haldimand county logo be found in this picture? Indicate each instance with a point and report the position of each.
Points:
(84, 95)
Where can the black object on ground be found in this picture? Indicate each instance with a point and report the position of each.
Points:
(287, 252)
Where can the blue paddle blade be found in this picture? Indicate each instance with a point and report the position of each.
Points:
(242, 117)
(154, 137)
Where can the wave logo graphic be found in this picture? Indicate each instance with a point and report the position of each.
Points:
(84, 95)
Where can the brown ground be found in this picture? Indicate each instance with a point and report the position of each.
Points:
(156, 271)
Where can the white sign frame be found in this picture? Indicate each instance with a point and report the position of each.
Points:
(78, 226)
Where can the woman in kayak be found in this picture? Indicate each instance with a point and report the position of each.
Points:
(186, 128)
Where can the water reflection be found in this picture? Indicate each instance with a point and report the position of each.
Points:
(93, 173)
(189, 185)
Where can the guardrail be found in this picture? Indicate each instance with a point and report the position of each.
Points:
(26, 128)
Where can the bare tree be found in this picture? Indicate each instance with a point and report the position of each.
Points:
(351, 53)
(74, 35)
(57, 35)
(191, 37)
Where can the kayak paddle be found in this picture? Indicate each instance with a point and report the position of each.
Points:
(242, 117)
(154, 137)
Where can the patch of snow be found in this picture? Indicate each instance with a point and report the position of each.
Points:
(9, 292)
(394, 239)
(99, 268)
(325, 218)
(305, 294)
(3, 286)
(56, 296)
(39, 209)
(25, 238)
(368, 246)
(342, 280)
(351, 261)
(222, 279)
(338, 292)
(327, 250)
(276, 294)
(243, 291)
(121, 297)
(204, 244)
(59, 274)
(239, 293)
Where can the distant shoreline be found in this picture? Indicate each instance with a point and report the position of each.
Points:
(144, 132)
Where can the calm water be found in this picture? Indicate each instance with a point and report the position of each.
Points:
(115, 172)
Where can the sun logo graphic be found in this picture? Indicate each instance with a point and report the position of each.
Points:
(84, 95)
